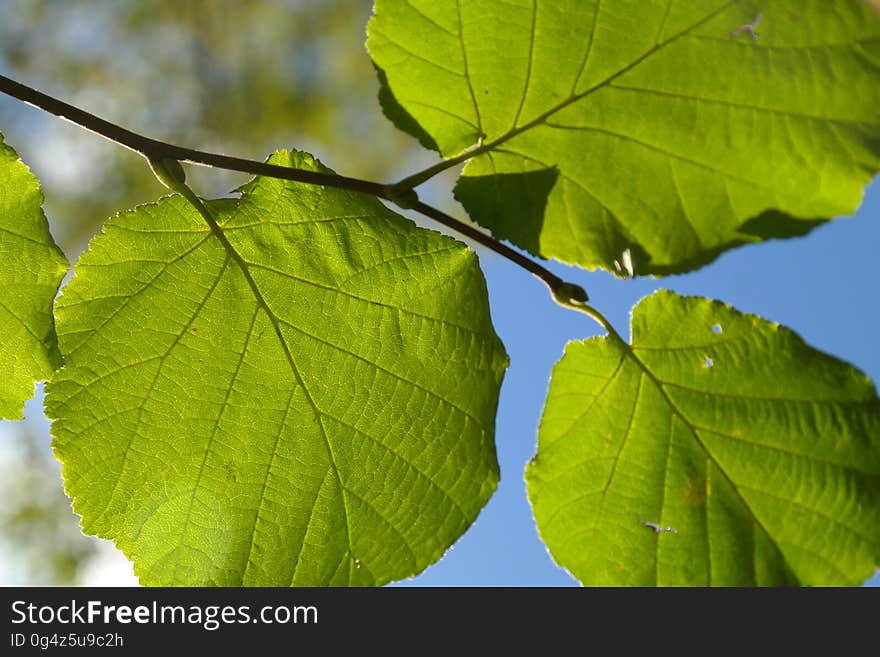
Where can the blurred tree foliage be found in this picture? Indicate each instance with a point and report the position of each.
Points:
(40, 542)
(241, 78)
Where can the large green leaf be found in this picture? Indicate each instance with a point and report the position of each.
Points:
(639, 127)
(31, 268)
(312, 403)
(762, 454)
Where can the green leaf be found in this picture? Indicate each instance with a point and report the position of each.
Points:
(597, 129)
(31, 269)
(761, 452)
(310, 404)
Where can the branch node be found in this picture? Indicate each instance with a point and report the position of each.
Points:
(570, 294)
(402, 198)
(169, 171)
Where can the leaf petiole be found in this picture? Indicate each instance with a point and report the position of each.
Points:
(171, 174)
(566, 296)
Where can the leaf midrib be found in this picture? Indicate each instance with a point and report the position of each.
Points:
(630, 352)
(217, 231)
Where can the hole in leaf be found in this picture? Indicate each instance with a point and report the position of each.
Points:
(716, 329)
(708, 362)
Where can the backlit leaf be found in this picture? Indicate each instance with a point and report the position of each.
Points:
(761, 453)
(312, 404)
(657, 131)
(31, 268)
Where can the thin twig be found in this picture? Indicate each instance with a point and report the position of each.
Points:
(552, 280)
(154, 150)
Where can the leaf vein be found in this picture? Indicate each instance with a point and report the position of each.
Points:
(467, 75)
(262, 495)
(789, 452)
(789, 114)
(529, 65)
(419, 473)
(663, 498)
(378, 367)
(872, 542)
(178, 258)
(140, 409)
(330, 288)
(207, 450)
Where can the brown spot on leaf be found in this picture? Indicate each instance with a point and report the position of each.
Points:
(618, 567)
(695, 491)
